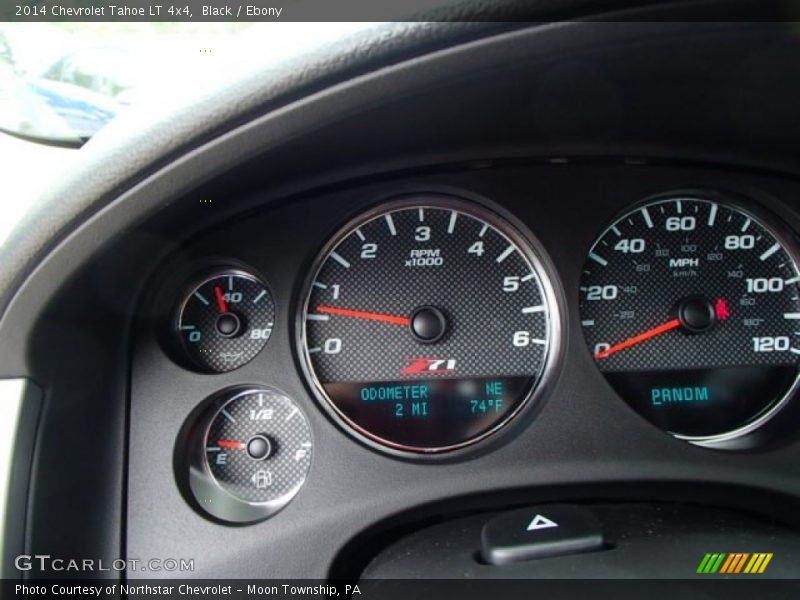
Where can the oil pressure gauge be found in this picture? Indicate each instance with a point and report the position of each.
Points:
(249, 454)
(225, 320)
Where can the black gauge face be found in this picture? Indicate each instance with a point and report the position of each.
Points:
(258, 447)
(690, 308)
(426, 325)
(225, 321)
(249, 454)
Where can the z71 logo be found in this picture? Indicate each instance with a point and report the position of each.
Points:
(426, 366)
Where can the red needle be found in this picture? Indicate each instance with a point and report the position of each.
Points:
(223, 306)
(360, 314)
(638, 339)
(230, 444)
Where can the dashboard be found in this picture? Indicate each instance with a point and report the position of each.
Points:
(335, 322)
(470, 330)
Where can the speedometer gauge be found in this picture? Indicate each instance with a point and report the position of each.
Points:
(691, 309)
(427, 325)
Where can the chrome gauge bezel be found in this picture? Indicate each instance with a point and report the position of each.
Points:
(216, 501)
(782, 233)
(506, 225)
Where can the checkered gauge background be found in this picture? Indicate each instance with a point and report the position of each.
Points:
(646, 298)
(213, 352)
(279, 419)
(467, 288)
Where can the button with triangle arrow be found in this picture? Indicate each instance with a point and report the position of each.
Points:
(540, 532)
(541, 522)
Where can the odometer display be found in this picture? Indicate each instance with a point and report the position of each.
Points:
(426, 325)
(690, 308)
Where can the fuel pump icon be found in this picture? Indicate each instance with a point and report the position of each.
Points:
(262, 479)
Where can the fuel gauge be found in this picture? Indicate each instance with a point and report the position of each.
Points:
(249, 455)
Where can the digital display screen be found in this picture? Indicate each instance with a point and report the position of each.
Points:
(700, 402)
(429, 413)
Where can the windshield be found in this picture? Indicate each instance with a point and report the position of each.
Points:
(63, 82)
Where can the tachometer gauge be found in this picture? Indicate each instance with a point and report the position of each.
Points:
(426, 325)
(225, 320)
(691, 309)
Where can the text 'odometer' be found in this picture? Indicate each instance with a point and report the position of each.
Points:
(426, 325)
(690, 308)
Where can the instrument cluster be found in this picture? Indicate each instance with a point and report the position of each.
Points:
(428, 323)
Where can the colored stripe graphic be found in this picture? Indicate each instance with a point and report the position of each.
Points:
(711, 563)
(734, 563)
(758, 563)
(767, 558)
(740, 564)
(752, 566)
(703, 563)
(728, 562)
(715, 566)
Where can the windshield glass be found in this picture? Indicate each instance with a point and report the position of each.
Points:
(63, 82)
